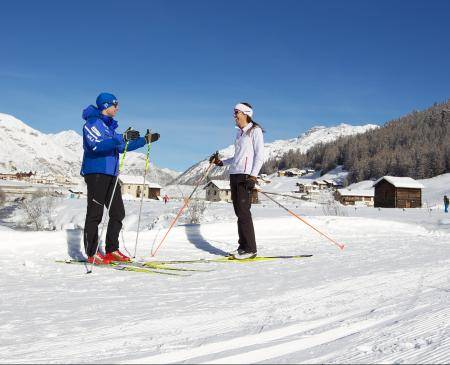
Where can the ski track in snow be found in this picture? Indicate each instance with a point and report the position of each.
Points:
(383, 299)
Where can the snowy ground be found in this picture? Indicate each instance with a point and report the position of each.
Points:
(384, 299)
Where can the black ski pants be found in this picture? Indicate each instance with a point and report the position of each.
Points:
(99, 191)
(242, 203)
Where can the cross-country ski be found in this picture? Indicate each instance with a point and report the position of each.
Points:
(224, 182)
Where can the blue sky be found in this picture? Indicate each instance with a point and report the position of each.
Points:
(179, 67)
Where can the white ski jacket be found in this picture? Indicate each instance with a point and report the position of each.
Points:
(248, 151)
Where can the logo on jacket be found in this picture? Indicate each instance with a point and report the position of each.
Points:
(95, 130)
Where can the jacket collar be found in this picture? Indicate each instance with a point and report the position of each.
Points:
(245, 129)
(110, 122)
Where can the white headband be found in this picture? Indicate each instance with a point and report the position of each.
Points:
(244, 109)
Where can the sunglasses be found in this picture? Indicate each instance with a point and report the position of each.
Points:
(235, 112)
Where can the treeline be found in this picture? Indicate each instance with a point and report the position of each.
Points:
(416, 145)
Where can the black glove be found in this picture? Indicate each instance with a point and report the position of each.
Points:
(130, 135)
(151, 137)
(214, 158)
(250, 182)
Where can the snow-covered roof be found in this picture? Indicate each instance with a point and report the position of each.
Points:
(294, 170)
(220, 184)
(137, 180)
(401, 182)
(356, 192)
(331, 182)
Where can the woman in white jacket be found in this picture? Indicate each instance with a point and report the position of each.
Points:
(244, 168)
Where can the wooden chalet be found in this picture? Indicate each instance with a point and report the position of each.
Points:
(397, 192)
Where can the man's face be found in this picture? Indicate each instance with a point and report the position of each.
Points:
(111, 111)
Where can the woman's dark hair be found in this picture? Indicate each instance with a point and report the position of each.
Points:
(250, 120)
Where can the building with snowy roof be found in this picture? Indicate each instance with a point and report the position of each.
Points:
(134, 186)
(220, 190)
(397, 192)
(292, 172)
(355, 196)
(331, 184)
(320, 184)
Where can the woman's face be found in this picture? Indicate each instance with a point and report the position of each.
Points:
(240, 118)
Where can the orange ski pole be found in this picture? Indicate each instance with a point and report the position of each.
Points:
(340, 245)
(186, 202)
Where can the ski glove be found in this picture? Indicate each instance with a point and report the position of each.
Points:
(214, 158)
(250, 182)
(130, 135)
(151, 137)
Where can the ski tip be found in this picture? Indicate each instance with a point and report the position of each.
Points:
(342, 246)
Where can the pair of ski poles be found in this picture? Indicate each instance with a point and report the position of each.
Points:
(186, 203)
(340, 245)
(147, 163)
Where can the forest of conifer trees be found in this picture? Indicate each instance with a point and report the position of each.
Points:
(416, 145)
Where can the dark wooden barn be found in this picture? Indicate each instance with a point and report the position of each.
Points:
(397, 192)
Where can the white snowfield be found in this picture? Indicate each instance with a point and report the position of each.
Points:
(383, 299)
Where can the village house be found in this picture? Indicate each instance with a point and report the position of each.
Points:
(43, 179)
(62, 180)
(355, 197)
(292, 172)
(320, 184)
(16, 176)
(311, 195)
(7, 176)
(331, 184)
(305, 188)
(220, 190)
(133, 185)
(397, 192)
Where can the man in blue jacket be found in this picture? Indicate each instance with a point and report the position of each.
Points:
(100, 167)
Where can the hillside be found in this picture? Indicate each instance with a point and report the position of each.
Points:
(415, 145)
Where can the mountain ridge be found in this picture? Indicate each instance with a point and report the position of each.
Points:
(27, 149)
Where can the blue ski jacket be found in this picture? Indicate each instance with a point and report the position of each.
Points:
(102, 144)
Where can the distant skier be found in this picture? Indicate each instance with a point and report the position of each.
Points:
(245, 165)
(100, 166)
(446, 204)
(165, 199)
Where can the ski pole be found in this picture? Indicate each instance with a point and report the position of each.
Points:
(340, 245)
(186, 202)
(286, 195)
(142, 197)
(109, 205)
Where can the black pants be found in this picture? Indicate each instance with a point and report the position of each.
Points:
(99, 189)
(242, 202)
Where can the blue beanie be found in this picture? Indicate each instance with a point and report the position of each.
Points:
(105, 100)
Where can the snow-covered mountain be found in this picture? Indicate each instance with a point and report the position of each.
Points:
(303, 142)
(26, 149)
